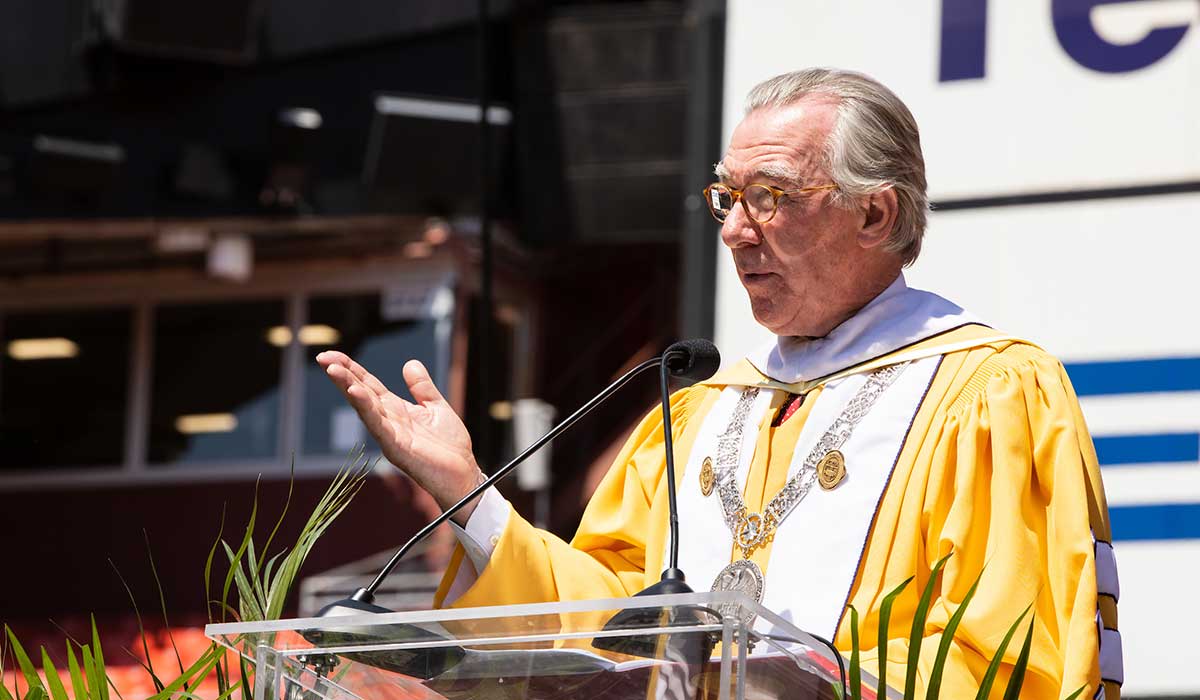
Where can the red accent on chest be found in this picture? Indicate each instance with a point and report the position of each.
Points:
(788, 409)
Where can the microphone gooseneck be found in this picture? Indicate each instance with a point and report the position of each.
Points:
(367, 594)
(431, 662)
(669, 446)
(693, 359)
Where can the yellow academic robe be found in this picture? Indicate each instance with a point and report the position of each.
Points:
(998, 467)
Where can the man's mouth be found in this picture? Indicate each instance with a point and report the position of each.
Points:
(756, 277)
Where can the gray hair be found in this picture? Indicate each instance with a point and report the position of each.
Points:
(873, 146)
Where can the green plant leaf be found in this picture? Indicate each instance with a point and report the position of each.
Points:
(279, 521)
(57, 691)
(4, 666)
(199, 669)
(98, 660)
(989, 677)
(162, 600)
(1017, 679)
(885, 616)
(228, 692)
(917, 634)
(254, 576)
(248, 603)
(79, 686)
(95, 685)
(149, 665)
(934, 690)
(1078, 690)
(32, 679)
(244, 669)
(271, 565)
(227, 608)
(235, 562)
(222, 675)
(855, 666)
(332, 503)
(212, 552)
(137, 661)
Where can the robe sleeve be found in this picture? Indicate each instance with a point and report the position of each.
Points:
(606, 559)
(1013, 491)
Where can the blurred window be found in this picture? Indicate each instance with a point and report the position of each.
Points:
(64, 379)
(357, 326)
(215, 382)
(217, 377)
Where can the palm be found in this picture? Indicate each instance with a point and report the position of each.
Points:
(424, 437)
(419, 437)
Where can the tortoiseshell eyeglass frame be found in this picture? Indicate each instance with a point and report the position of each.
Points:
(776, 195)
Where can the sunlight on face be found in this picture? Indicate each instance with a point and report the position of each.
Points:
(799, 268)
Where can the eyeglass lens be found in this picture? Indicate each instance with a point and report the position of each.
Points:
(759, 200)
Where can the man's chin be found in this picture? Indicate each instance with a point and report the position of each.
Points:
(769, 318)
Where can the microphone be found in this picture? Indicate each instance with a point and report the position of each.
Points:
(688, 358)
(691, 359)
(694, 359)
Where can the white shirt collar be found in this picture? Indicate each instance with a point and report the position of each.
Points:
(898, 317)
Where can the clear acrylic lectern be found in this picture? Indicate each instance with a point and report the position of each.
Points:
(704, 646)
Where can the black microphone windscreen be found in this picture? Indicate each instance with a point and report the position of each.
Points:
(695, 359)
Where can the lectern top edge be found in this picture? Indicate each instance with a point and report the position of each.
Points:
(500, 611)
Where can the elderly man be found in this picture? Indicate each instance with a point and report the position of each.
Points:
(883, 429)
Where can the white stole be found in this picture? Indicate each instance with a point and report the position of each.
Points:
(817, 549)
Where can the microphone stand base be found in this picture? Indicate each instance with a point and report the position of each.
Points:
(686, 645)
(420, 663)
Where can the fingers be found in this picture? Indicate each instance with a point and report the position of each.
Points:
(330, 357)
(420, 385)
(371, 413)
(372, 409)
(361, 397)
(377, 408)
(333, 358)
(367, 393)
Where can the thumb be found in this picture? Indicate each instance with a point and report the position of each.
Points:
(420, 384)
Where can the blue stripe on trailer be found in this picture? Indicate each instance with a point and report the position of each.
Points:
(1145, 449)
(1168, 521)
(1135, 376)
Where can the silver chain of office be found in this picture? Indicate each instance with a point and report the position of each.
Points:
(752, 529)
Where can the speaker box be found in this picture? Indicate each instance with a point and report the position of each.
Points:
(220, 31)
(423, 157)
(602, 97)
(41, 56)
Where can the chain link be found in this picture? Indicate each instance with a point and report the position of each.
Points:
(752, 530)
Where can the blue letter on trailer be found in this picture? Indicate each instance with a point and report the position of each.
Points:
(964, 40)
(1078, 37)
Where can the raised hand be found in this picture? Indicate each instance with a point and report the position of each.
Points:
(426, 439)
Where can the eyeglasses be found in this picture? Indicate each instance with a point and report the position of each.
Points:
(759, 201)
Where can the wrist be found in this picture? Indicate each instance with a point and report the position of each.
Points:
(464, 514)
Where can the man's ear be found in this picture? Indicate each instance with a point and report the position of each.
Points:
(879, 218)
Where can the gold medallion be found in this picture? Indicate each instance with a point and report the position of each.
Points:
(707, 477)
(831, 470)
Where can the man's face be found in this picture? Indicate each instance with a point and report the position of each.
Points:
(799, 267)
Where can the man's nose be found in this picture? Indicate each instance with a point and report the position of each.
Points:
(739, 230)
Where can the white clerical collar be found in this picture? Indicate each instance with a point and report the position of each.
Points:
(898, 317)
